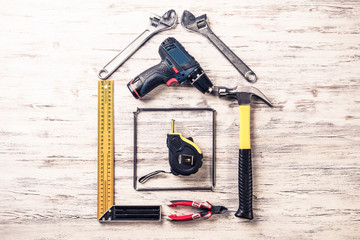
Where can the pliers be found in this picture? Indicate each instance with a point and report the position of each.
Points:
(207, 210)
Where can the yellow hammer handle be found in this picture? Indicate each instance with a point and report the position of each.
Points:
(244, 118)
(245, 169)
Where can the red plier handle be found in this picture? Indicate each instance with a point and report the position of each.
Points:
(205, 206)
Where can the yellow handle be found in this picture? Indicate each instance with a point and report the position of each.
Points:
(244, 118)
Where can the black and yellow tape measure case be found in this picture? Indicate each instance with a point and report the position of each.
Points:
(185, 157)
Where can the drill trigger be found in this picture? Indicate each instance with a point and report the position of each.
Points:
(171, 81)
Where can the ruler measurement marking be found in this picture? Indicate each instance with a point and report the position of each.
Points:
(105, 146)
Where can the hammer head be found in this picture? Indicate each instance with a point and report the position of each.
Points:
(243, 94)
(192, 23)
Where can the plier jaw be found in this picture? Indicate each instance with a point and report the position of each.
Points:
(207, 210)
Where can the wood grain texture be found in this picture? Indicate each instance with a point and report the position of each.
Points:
(305, 150)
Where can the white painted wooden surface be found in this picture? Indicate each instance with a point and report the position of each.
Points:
(305, 150)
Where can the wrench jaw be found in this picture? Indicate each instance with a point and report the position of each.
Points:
(167, 21)
(195, 24)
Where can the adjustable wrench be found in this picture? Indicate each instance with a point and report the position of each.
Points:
(157, 24)
(201, 25)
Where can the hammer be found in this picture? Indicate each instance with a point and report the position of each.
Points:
(243, 97)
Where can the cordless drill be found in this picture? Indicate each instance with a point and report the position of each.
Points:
(176, 66)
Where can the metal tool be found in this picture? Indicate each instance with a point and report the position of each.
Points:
(131, 213)
(157, 24)
(106, 210)
(243, 96)
(201, 25)
(207, 210)
(105, 170)
(176, 66)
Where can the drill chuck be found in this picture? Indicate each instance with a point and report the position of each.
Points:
(200, 80)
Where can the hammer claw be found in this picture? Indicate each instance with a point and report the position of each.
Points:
(243, 94)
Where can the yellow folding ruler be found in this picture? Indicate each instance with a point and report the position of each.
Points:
(105, 181)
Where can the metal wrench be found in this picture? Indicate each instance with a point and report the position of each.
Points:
(157, 24)
(201, 25)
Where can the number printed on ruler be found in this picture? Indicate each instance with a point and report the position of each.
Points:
(105, 146)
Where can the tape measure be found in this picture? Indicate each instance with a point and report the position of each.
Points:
(105, 187)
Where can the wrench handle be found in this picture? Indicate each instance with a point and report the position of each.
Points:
(126, 53)
(245, 165)
(242, 68)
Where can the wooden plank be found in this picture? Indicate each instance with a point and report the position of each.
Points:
(305, 149)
